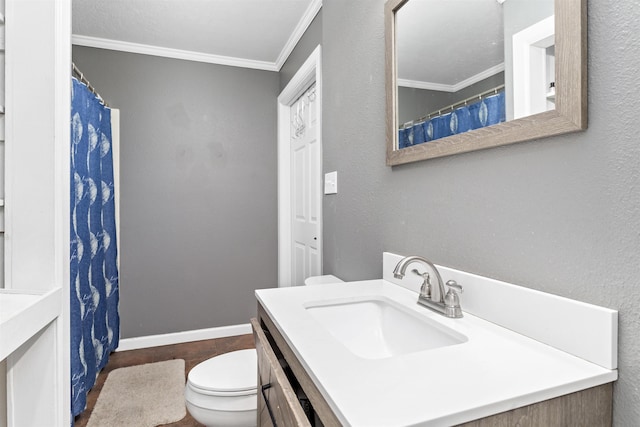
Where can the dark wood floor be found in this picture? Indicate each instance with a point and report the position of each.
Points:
(192, 353)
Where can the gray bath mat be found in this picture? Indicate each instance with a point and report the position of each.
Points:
(143, 395)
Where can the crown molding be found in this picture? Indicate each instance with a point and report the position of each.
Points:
(144, 49)
(298, 32)
(452, 88)
(417, 84)
(479, 77)
(186, 55)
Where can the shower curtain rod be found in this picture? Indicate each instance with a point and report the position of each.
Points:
(452, 107)
(84, 80)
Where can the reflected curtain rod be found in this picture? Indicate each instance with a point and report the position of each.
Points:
(84, 80)
(452, 107)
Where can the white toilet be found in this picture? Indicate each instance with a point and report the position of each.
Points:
(222, 391)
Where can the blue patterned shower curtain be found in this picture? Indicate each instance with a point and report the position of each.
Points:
(486, 112)
(95, 322)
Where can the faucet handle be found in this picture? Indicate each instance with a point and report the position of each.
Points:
(424, 275)
(425, 288)
(452, 301)
(453, 284)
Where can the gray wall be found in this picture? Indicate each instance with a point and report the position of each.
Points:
(561, 215)
(416, 103)
(198, 199)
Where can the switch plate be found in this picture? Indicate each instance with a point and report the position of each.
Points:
(331, 182)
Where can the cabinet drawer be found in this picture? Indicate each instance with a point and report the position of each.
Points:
(278, 405)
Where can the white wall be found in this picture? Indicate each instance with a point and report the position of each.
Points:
(38, 57)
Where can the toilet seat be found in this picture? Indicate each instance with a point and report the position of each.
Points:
(230, 374)
(206, 392)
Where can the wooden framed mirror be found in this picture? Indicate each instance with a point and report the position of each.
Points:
(544, 77)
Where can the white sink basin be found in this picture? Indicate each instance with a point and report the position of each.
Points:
(377, 328)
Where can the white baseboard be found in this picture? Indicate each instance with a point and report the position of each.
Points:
(181, 337)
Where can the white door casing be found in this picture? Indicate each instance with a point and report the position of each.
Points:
(308, 73)
(531, 68)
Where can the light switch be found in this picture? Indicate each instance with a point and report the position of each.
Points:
(331, 182)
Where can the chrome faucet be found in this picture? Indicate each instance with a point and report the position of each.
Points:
(447, 305)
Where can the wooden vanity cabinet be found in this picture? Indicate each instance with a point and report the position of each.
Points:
(288, 388)
(299, 394)
(277, 400)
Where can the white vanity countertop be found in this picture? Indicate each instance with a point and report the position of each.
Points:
(496, 370)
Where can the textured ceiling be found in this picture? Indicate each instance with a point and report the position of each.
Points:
(255, 30)
(446, 42)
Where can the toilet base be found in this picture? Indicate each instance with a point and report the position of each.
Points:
(215, 418)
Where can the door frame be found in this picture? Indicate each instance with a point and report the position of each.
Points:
(309, 72)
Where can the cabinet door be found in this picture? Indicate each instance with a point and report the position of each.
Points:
(278, 405)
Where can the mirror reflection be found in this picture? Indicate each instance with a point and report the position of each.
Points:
(468, 64)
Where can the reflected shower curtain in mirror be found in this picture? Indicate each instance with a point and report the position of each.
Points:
(486, 112)
(95, 321)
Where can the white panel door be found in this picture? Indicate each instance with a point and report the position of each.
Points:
(305, 189)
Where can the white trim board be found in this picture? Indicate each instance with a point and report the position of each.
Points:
(145, 49)
(182, 337)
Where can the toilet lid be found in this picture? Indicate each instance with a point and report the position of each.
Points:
(236, 371)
